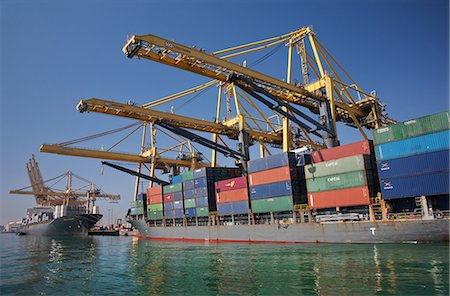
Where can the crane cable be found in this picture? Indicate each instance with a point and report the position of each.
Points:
(99, 134)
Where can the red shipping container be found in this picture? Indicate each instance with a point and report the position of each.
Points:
(270, 176)
(154, 199)
(358, 196)
(361, 147)
(231, 184)
(168, 197)
(154, 190)
(232, 195)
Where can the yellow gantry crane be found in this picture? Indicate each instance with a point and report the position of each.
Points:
(328, 95)
(326, 90)
(50, 196)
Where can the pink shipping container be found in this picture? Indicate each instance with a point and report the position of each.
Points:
(361, 147)
(231, 184)
(270, 176)
(358, 196)
(168, 197)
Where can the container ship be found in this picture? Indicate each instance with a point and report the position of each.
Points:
(60, 211)
(394, 189)
(58, 220)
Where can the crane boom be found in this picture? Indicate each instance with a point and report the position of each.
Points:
(133, 173)
(174, 54)
(161, 162)
(63, 194)
(140, 113)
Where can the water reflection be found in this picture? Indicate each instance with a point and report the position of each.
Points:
(124, 265)
(238, 269)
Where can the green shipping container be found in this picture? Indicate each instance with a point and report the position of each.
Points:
(155, 215)
(202, 212)
(189, 203)
(136, 204)
(172, 188)
(188, 175)
(276, 204)
(412, 128)
(338, 166)
(155, 207)
(139, 210)
(339, 181)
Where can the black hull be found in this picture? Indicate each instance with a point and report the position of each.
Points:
(66, 226)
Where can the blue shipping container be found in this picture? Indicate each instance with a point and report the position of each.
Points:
(413, 146)
(176, 179)
(235, 208)
(189, 194)
(141, 196)
(178, 204)
(168, 205)
(201, 192)
(200, 182)
(271, 162)
(189, 184)
(198, 173)
(178, 213)
(190, 212)
(413, 186)
(271, 190)
(201, 201)
(178, 195)
(414, 165)
(168, 213)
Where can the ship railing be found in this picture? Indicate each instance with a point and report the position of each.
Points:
(417, 214)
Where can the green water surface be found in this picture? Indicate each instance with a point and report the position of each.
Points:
(130, 266)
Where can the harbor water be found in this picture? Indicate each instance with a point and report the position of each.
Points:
(130, 266)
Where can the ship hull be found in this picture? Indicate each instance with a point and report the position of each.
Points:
(410, 231)
(67, 225)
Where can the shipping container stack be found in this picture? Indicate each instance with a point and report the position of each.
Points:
(342, 177)
(137, 207)
(199, 192)
(276, 184)
(155, 206)
(413, 160)
(232, 199)
(173, 201)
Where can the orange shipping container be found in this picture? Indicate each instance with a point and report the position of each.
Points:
(154, 191)
(270, 176)
(232, 195)
(154, 199)
(358, 196)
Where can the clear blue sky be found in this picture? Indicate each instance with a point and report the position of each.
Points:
(57, 52)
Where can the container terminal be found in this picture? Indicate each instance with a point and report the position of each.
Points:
(394, 188)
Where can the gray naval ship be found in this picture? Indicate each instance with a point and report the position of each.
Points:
(58, 220)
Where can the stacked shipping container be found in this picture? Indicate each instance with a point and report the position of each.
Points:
(276, 183)
(199, 192)
(413, 157)
(155, 209)
(341, 176)
(173, 201)
(232, 196)
(137, 207)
